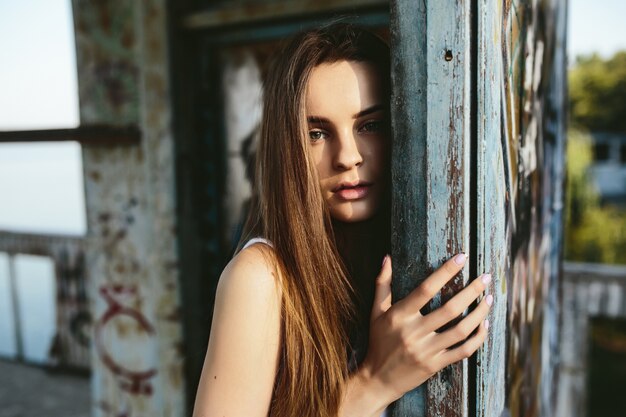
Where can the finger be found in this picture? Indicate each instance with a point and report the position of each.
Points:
(464, 328)
(421, 295)
(382, 296)
(455, 306)
(468, 348)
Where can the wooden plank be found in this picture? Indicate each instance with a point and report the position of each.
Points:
(409, 205)
(448, 170)
(491, 233)
(431, 71)
(519, 201)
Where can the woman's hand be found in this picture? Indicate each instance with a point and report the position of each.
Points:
(404, 347)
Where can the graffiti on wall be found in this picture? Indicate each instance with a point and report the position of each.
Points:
(72, 342)
(124, 323)
(528, 46)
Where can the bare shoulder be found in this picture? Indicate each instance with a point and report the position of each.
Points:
(252, 271)
(244, 347)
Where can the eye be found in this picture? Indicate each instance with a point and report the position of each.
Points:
(317, 135)
(372, 126)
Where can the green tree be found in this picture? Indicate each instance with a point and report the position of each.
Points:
(597, 93)
(597, 89)
(593, 233)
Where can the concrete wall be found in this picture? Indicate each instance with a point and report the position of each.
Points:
(131, 259)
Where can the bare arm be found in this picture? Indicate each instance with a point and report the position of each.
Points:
(242, 357)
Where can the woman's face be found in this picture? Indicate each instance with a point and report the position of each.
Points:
(348, 126)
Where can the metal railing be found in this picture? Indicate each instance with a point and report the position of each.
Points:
(588, 291)
(70, 347)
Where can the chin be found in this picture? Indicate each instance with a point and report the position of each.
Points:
(352, 212)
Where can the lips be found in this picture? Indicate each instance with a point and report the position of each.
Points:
(352, 190)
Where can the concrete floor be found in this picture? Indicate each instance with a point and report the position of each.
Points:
(28, 391)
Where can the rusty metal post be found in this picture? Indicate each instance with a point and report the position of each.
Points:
(15, 304)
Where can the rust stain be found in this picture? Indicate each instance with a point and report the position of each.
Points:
(128, 40)
(95, 176)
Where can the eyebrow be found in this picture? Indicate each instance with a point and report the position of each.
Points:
(364, 112)
(369, 110)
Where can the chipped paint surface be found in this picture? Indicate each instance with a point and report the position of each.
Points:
(521, 73)
(493, 239)
(106, 48)
(131, 255)
(532, 75)
(447, 188)
(518, 171)
(431, 82)
(523, 233)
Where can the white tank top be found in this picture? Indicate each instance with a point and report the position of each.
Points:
(257, 240)
(267, 242)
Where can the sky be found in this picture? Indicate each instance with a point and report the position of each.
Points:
(596, 26)
(38, 89)
(41, 187)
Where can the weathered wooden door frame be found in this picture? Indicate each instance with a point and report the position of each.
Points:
(452, 181)
(432, 130)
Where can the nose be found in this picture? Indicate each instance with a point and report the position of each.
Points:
(347, 153)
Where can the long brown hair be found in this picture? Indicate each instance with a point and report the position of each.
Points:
(288, 209)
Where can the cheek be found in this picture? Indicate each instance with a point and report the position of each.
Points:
(322, 161)
(317, 153)
(378, 154)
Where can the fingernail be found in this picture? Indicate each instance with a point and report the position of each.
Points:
(460, 259)
(489, 299)
(486, 278)
(486, 323)
(384, 260)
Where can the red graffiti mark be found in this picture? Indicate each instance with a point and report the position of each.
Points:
(134, 382)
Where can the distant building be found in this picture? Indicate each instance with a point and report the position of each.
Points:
(608, 171)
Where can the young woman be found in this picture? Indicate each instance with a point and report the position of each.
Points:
(303, 322)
